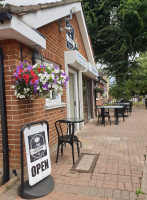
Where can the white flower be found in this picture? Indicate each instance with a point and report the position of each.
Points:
(59, 82)
(22, 96)
(15, 92)
(38, 87)
(12, 86)
(34, 66)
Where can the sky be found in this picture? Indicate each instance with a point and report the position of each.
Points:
(27, 2)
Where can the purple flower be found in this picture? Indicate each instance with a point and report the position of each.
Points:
(25, 62)
(29, 67)
(64, 74)
(56, 67)
(45, 86)
(37, 81)
(35, 90)
(67, 78)
(55, 80)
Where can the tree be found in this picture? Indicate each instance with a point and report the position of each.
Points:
(118, 30)
(136, 84)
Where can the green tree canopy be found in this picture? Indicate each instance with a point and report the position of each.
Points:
(118, 30)
(136, 83)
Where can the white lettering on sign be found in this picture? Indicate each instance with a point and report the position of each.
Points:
(37, 151)
(81, 59)
(92, 69)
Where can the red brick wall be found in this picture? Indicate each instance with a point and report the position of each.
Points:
(20, 112)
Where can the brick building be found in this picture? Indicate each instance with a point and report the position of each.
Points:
(43, 29)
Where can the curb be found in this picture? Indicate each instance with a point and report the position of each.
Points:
(8, 185)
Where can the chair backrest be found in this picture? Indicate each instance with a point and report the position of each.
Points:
(60, 128)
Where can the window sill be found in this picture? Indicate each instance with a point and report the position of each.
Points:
(49, 107)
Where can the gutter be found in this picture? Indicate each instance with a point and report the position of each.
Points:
(4, 131)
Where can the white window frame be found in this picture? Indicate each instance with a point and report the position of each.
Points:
(49, 102)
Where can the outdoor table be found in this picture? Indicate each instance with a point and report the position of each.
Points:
(111, 107)
(71, 122)
(127, 104)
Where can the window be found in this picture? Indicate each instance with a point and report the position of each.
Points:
(54, 100)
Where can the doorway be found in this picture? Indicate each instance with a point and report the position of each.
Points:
(87, 99)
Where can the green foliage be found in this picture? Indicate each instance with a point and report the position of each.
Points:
(1, 5)
(8, 187)
(136, 83)
(138, 192)
(120, 91)
(118, 31)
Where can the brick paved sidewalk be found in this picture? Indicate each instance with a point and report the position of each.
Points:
(118, 170)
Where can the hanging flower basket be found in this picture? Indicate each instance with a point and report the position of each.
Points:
(38, 80)
(99, 89)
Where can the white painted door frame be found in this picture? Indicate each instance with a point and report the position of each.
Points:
(76, 96)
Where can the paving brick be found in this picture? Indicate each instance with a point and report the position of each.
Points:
(101, 192)
(116, 194)
(108, 193)
(125, 195)
(93, 191)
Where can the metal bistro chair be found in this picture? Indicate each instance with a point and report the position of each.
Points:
(121, 113)
(106, 114)
(68, 137)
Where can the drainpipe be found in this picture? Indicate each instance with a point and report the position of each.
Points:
(4, 132)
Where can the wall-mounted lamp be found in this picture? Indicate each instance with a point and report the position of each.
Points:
(67, 29)
(36, 55)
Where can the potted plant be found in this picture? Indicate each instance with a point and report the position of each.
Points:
(99, 89)
(33, 81)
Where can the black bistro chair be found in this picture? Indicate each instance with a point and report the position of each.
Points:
(105, 115)
(66, 137)
(121, 113)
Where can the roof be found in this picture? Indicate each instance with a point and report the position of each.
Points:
(14, 9)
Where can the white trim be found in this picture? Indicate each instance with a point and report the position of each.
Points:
(47, 107)
(46, 16)
(16, 29)
(75, 59)
(76, 96)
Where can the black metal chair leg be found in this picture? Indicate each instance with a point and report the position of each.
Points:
(78, 148)
(57, 153)
(98, 121)
(72, 145)
(110, 120)
(62, 149)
